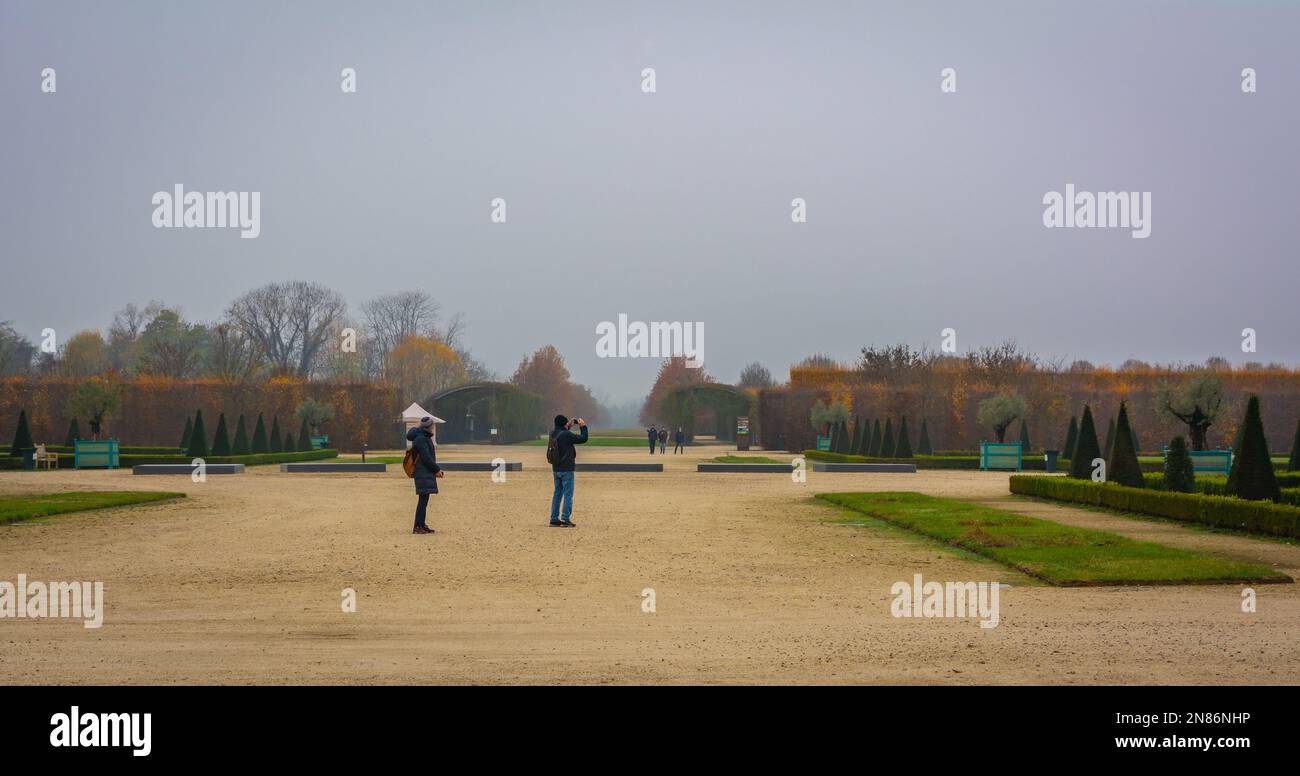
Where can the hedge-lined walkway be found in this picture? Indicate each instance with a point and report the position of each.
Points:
(1275, 553)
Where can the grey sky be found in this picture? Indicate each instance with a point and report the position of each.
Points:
(924, 209)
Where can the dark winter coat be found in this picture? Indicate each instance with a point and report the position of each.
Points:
(564, 442)
(426, 465)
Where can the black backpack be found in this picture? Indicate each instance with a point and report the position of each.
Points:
(553, 449)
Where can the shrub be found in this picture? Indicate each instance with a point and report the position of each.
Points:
(22, 436)
(221, 441)
(1085, 448)
(198, 438)
(289, 445)
(1252, 470)
(240, 446)
(857, 435)
(1024, 437)
(875, 438)
(1122, 466)
(1179, 476)
(887, 443)
(864, 444)
(277, 441)
(74, 433)
(1110, 438)
(923, 446)
(1258, 517)
(903, 449)
(259, 437)
(1071, 437)
(185, 435)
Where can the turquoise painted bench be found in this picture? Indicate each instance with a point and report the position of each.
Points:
(1001, 455)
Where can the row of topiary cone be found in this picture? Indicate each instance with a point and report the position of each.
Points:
(1251, 476)
(194, 441)
(864, 438)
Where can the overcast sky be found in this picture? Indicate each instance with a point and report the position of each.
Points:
(924, 209)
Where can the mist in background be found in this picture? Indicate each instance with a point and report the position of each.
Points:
(924, 208)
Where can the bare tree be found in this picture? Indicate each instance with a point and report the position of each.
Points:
(289, 322)
(233, 357)
(392, 318)
(755, 376)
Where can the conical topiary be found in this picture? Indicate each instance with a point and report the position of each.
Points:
(22, 436)
(1252, 474)
(1110, 438)
(842, 437)
(835, 436)
(923, 446)
(74, 433)
(875, 439)
(1137, 446)
(185, 435)
(221, 441)
(259, 437)
(903, 448)
(1024, 437)
(240, 445)
(277, 441)
(198, 438)
(1294, 464)
(1085, 448)
(1180, 476)
(864, 443)
(289, 444)
(857, 435)
(1122, 466)
(1071, 438)
(304, 438)
(887, 443)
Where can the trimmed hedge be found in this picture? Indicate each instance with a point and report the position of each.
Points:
(1258, 517)
(968, 462)
(1217, 486)
(125, 460)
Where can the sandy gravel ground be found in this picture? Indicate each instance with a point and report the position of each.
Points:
(242, 583)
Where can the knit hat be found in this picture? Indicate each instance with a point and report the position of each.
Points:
(426, 422)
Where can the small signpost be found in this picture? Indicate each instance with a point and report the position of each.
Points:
(742, 433)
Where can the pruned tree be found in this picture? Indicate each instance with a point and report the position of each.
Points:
(313, 414)
(290, 322)
(95, 399)
(1195, 402)
(998, 412)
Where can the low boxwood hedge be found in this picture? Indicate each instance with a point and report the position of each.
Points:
(1258, 517)
(1217, 485)
(1029, 463)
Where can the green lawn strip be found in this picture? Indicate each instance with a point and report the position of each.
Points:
(1059, 554)
(745, 459)
(14, 508)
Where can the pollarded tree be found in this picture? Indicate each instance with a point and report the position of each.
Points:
(1252, 474)
(185, 435)
(887, 444)
(1000, 411)
(1196, 402)
(96, 399)
(903, 449)
(1294, 464)
(277, 441)
(259, 437)
(1085, 448)
(240, 446)
(198, 438)
(22, 436)
(314, 414)
(1122, 465)
(1071, 438)
(1180, 476)
(923, 446)
(74, 433)
(221, 441)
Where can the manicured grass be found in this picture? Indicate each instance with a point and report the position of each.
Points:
(1055, 553)
(14, 508)
(745, 459)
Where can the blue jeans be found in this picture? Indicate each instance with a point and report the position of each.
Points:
(563, 488)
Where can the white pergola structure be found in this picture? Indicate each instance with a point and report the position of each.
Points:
(411, 417)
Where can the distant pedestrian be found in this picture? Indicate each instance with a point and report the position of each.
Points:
(680, 439)
(663, 441)
(427, 472)
(653, 436)
(562, 457)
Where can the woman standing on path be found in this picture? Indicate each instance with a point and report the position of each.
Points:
(427, 472)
